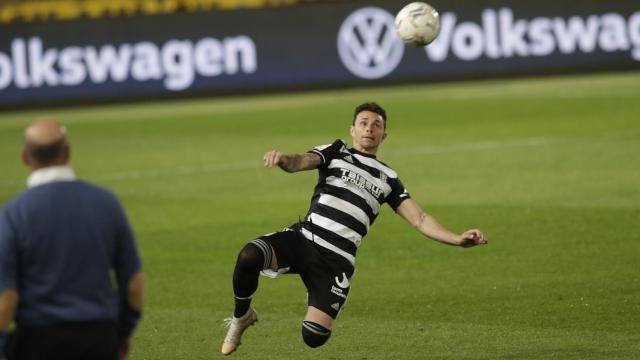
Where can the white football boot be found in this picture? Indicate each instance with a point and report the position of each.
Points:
(237, 326)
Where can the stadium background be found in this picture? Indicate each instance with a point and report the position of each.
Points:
(522, 121)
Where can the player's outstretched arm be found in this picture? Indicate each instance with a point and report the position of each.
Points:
(291, 163)
(430, 227)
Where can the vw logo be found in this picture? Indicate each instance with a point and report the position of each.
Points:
(367, 43)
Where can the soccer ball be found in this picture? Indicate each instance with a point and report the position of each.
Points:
(418, 24)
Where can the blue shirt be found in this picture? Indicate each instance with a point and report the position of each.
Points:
(68, 250)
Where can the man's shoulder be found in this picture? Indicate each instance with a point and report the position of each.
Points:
(328, 152)
(11, 203)
(95, 190)
(71, 185)
(60, 189)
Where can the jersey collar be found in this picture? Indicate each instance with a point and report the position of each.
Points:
(353, 150)
(50, 174)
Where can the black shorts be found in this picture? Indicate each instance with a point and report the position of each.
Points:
(324, 273)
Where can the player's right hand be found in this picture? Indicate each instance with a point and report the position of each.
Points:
(272, 158)
(472, 238)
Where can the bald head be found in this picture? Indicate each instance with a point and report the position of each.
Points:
(45, 144)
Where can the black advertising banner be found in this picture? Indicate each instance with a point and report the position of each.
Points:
(313, 45)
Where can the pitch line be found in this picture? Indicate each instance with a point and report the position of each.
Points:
(222, 168)
(182, 170)
(477, 146)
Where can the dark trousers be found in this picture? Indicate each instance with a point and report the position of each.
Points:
(69, 341)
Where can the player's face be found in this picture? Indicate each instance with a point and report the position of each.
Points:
(368, 132)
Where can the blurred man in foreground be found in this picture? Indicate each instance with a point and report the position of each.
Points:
(64, 245)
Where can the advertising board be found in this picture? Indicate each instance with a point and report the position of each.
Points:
(316, 45)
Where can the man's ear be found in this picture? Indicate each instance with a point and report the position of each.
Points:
(25, 157)
(66, 153)
(384, 136)
(351, 130)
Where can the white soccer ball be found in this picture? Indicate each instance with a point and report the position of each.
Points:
(418, 24)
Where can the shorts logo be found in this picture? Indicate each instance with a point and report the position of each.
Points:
(338, 291)
(344, 283)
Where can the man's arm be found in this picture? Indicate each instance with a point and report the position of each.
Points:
(8, 303)
(430, 227)
(132, 309)
(8, 277)
(130, 278)
(292, 163)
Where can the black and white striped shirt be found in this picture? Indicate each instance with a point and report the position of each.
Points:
(352, 186)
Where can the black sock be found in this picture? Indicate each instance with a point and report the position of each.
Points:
(251, 260)
(242, 306)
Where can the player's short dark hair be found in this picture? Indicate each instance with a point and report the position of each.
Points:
(373, 107)
(45, 154)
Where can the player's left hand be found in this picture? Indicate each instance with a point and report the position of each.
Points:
(472, 238)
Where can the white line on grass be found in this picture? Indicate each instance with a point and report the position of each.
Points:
(151, 174)
(182, 170)
(222, 168)
(237, 166)
(478, 145)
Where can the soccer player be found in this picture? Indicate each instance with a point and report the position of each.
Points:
(70, 272)
(352, 186)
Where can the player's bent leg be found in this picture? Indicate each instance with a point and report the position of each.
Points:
(316, 327)
(314, 334)
(254, 257)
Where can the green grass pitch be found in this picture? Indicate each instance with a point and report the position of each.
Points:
(548, 168)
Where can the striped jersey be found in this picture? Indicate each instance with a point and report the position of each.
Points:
(352, 186)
